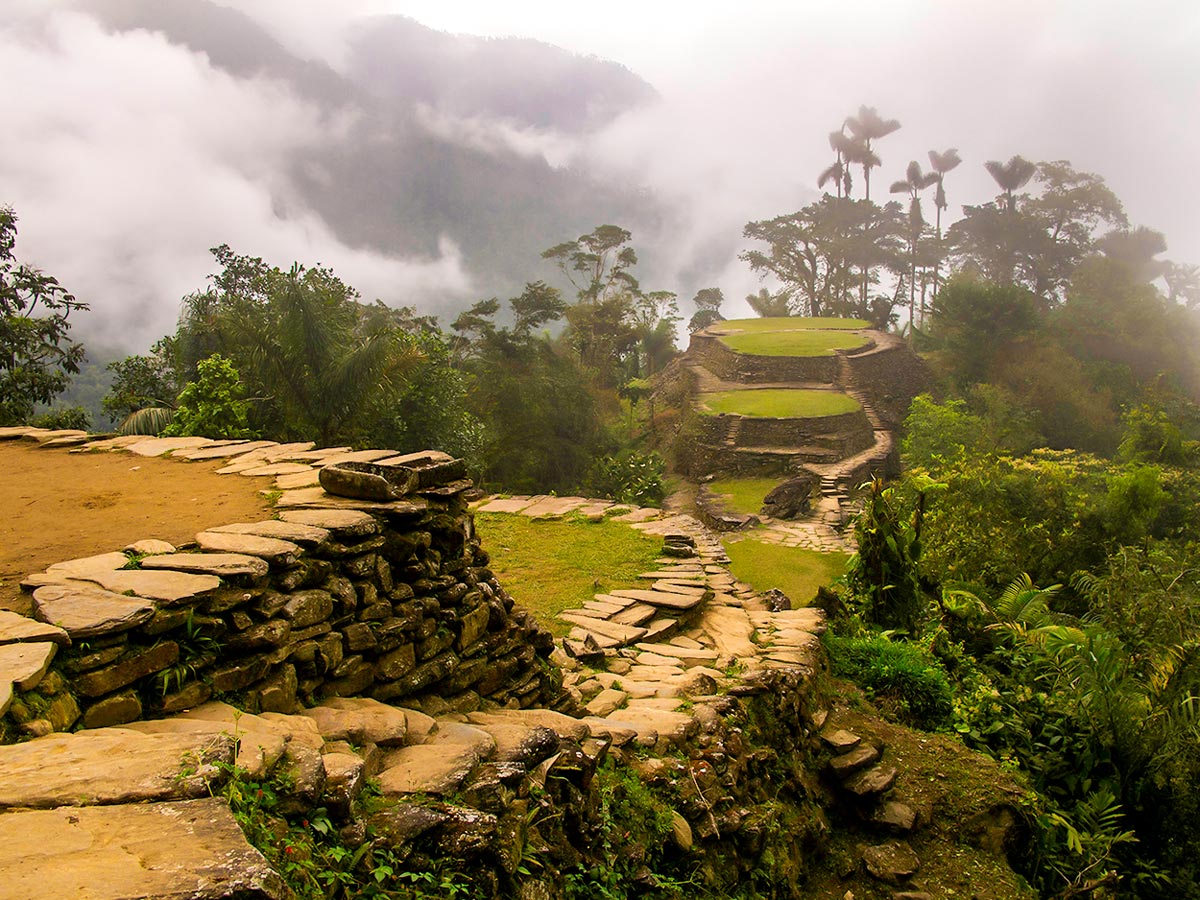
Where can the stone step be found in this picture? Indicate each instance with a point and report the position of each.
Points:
(637, 614)
(191, 848)
(625, 634)
(663, 599)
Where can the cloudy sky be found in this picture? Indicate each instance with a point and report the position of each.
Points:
(94, 121)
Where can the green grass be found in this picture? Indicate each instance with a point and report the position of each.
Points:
(557, 564)
(793, 343)
(743, 495)
(793, 323)
(780, 403)
(798, 573)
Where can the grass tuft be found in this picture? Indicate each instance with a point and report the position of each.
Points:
(779, 403)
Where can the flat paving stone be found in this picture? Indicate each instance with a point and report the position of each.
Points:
(506, 504)
(191, 849)
(676, 652)
(307, 535)
(110, 765)
(317, 498)
(221, 450)
(157, 446)
(622, 633)
(223, 565)
(579, 633)
(662, 599)
(171, 588)
(311, 478)
(359, 720)
(566, 727)
(18, 629)
(24, 665)
(637, 614)
(344, 522)
(273, 469)
(553, 506)
(103, 562)
(83, 611)
(436, 767)
(356, 456)
(274, 550)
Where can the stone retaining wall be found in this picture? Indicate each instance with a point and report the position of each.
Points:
(730, 365)
(890, 375)
(394, 603)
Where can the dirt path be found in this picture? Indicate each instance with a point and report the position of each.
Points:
(56, 505)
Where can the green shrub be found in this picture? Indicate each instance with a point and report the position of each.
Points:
(74, 417)
(213, 406)
(629, 478)
(895, 671)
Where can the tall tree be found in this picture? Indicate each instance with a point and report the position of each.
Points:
(1011, 177)
(839, 172)
(866, 127)
(37, 357)
(942, 163)
(914, 182)
(708, 308)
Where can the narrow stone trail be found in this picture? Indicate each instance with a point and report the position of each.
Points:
(132, 809)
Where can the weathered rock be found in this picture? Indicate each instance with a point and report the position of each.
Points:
(296, 533)
(127, 670)
(18, 629)
(274, 550)
(305, 608)
(839, 739)
(115, 709)
(193, 849)
(171, 588)
(565, 727)
(149, 547)
(223, 565)
(625, 634)
(872, 782)
(899, 818)
(402, 822)
(846, 764)
(892, 862)
(344, 780)
(674, 728)
(438, 767)
(359, 721)
(367, 481)
(114, 765)
(526, 744)
(662, 598)
(342, 522)
(89, 612)
(607, 701)
(24, 665)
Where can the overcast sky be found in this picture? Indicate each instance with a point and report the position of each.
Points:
(749, 90)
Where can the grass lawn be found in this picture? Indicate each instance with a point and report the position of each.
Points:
(793, 323)
(552, 565)
(780, 403)
(793, 342)
(798, 573)
(744, 495)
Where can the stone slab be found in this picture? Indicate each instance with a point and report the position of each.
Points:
(308, 479)
(167, 586)
(307, 535)
(88, 565)
(274, 550)
(551, 507)
(193, 849)
(366, 456)
(613, 630)
(679, 653)
(149, 546)
(359, 721)
(157, 446)
(345, 522)
(221, 450)
(18, 629)
(223, 565)
(637, 614)
(317, 498)
(564, 726)
(506, 505)
(662, 599)
(110, 765)
(83, 611)
(604, 642)
(24, 665)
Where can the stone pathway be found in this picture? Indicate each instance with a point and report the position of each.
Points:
(129, 811)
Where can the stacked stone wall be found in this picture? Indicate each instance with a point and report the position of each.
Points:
(397, 604)
(890, 375)
(730, 365)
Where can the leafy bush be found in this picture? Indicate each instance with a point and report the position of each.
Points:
(57, 417)
(896, 671)
(212, 406)
(629, 478)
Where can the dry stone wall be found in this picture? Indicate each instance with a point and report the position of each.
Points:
(394, 602)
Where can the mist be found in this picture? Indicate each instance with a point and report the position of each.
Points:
(130, 154)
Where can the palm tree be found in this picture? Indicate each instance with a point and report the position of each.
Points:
(868, 126)
(1011, 177)
(914, 182)
(839, 172)
(941, 163)
(769, 305)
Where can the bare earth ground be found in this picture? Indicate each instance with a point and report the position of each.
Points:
(56, 506)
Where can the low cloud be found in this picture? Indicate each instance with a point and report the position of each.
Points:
(135, 156)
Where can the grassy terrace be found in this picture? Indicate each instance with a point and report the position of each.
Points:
(796, 572)
(792, 336)
(780, 403)
(557, 564)
(743, 495)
